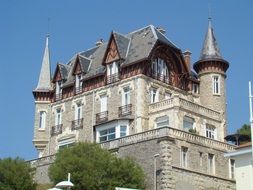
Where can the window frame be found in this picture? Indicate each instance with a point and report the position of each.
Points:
(216, 84)
(211, 131)
(162, 119)
(58, 116)
(118, 130)
(184, 157)
(154, 95)
(42, 120)
(188, 119)
(211, 163)
(231, 168)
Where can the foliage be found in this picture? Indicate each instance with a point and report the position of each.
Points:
(15, 174)
(245, 130)
(93, 168)
(194, 131)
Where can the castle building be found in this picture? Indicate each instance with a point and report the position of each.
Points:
(138, 96)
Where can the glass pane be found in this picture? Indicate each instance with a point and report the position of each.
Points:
(102, 139)
(102, 133)
(112, 136)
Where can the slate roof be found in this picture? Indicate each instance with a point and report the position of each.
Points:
(132, 47)
(210, 49)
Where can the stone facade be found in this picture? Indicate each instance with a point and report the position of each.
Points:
(139, 105)
(166, 142)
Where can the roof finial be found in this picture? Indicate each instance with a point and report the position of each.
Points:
(209, 12)
(48, 27)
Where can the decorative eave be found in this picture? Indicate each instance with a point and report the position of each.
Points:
(42, 95)
(219, 65)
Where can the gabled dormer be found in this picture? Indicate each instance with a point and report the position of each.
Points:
(116, 52)
(60, 75)
(81, 66)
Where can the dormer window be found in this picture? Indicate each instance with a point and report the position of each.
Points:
(160, 70)
(112, 72)
(78, 84)
(58, 90)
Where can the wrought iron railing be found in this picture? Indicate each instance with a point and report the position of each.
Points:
(58, 97)
(78, 90)
(101, 117)
(57, 129)
(112, 78)
(160, 77)
(77, 124)
(125, 110)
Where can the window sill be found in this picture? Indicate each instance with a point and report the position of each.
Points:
(41, 129)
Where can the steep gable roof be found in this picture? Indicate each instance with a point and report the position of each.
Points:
(131, 48)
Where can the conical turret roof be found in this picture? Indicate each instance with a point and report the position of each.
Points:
(44, 83)
(210, 49)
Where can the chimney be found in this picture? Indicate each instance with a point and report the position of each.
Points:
(99, 42)
(187, 58)
(161, 30)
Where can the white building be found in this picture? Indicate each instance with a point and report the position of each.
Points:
(241, 167)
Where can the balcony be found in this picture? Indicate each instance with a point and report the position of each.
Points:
(56, 130)
(101, 117)
(78, 90)
(112, 78)
(160, 77)
(125, 110)
(58, 97)
(77, 124)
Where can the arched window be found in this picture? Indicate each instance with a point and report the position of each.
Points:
(160, 70)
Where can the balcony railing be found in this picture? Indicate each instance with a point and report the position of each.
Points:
(77, 124)
(78, 90)
(58, 97)
(161, 77)
(125, 110)
(101, 117)
(57, 129)
(112, 78)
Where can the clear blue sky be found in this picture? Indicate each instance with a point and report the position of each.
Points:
(76, 25)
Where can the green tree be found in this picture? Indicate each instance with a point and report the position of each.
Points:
(15, 174)
(93, 168)
(245, 130)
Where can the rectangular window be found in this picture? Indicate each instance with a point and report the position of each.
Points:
(126, 96)
(103, 103)
(184, 151)
(153, 95)
(210, 131)
(78, 111)
(195, 88)
(162, 121)
(211, 164)
(58, 87)
(42, 121)
(232, 168)
(107, 134)
(216, 85)
(123, 130)
(200, 159)
(188, 123)
(58, 117)
(167, 95)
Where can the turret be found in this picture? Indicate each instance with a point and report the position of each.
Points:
(211, 69)
(42, 96)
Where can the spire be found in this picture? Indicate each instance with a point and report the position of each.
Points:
(45, 72)
(210, 48)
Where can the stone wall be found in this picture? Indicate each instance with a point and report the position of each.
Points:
(166, 142)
